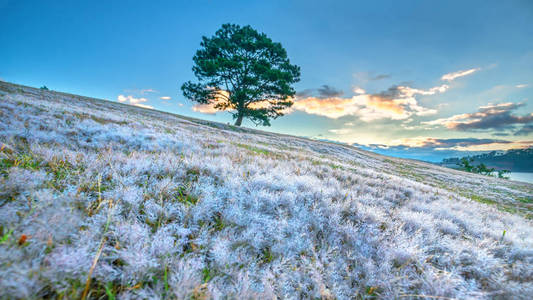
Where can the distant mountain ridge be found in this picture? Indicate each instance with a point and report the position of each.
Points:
(515, 160)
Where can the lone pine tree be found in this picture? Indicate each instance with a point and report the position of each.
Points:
(243, 71)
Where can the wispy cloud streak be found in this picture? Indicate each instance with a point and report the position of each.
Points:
(454, 75)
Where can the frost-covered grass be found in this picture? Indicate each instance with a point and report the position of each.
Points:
(153, 205)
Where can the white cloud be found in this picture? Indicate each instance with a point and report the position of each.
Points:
(359, 90)
(205, 109)
(410, 92)
(165, 98)
(521, 85)
(340, 131)
(452, 76)
(133, 101)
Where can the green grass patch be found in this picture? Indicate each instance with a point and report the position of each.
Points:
(516, 208)
(83, 116)
(218, 222)
(97, 290)
(525, 200)
(5, 236)
(165, 280)
(482, 199)
(182, 196)
(266, 255)
(335, 167)
(109, 291)
(21, 160)
(253, 149)
(60, 169)
(207, 274)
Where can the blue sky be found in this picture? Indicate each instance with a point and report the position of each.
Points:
(384, 64)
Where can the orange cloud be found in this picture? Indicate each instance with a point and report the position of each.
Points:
(220, 103)
(334, 107)
(211, 108)
(397, 103)
(386, 104)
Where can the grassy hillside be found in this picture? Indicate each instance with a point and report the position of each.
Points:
(152, 205)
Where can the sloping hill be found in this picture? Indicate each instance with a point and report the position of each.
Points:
(151, 205)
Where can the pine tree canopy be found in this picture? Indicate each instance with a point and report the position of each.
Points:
(243, 71)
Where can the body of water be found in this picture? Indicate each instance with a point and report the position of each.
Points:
(521, 176)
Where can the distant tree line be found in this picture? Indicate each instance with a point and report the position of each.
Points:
(514, 160)
(466, 164)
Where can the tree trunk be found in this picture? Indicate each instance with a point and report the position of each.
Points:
(239, 119)
(240, 113)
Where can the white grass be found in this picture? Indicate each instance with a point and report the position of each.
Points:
(199, 209)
